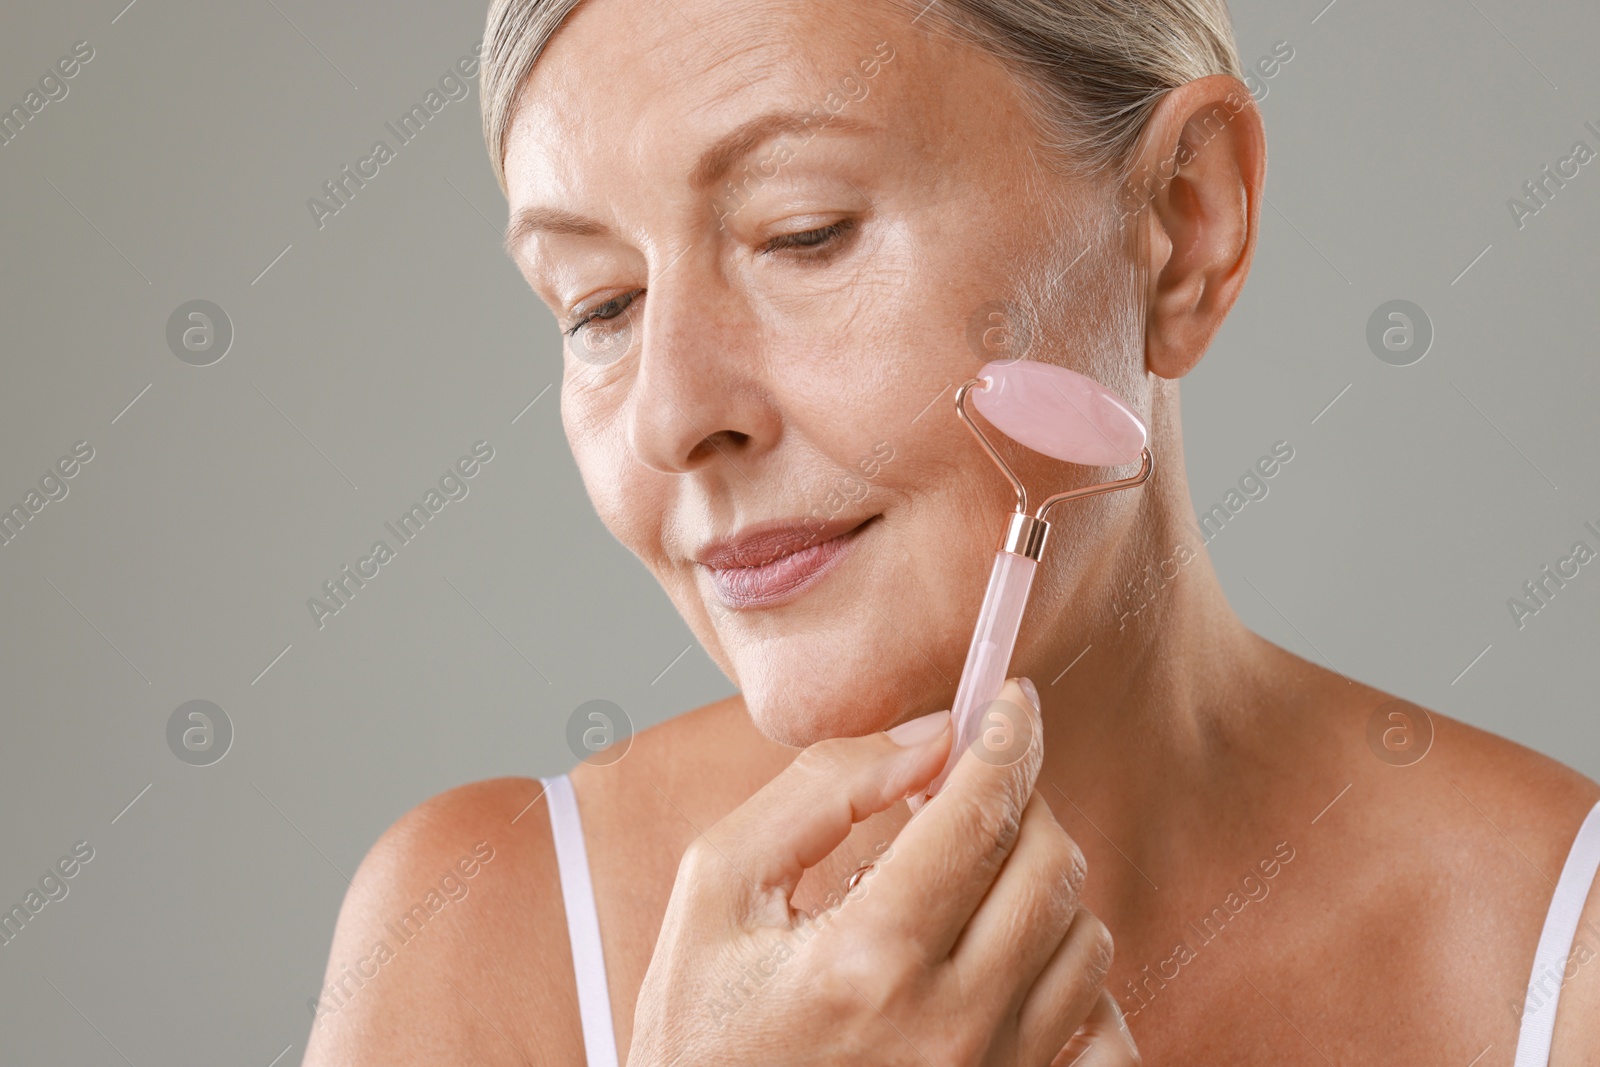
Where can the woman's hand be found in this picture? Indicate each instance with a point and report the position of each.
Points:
(965, 944)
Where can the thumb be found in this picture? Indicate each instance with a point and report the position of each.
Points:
(1103, 1040)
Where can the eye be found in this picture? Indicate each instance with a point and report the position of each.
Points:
(611, 309)
(811, 242)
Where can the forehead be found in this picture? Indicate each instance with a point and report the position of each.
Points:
(639, 85)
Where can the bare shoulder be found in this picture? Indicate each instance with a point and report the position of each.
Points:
(1471, 834)
(1533, 786)
(1531, 803)
(1431, 852)
(1538, 805)
(1478, 806)
(1454, 794)
(1577, 1034)
(451, 943)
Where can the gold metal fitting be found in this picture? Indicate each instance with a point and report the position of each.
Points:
(1025, 536)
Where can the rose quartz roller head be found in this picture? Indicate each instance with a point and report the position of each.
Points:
(1061, 414)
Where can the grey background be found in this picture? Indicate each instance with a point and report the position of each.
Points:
(377, 349)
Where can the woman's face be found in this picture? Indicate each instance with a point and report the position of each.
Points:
(785, 231)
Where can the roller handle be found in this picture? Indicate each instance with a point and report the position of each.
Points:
(993, 640)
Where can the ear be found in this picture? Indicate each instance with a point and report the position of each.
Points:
(1196, 186)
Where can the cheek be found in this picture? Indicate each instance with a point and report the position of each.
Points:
(895, 649)
(623, 494)
(892, 640)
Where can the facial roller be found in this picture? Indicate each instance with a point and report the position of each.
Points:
(1061, 414)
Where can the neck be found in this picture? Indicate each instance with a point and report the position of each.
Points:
(1143, 727)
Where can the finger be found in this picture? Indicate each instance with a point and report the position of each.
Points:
(944, 860)
(807, 810)
(1104, 1040)
(1061, 999)
(1019, 926)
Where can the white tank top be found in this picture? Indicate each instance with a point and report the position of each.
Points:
(594, 996)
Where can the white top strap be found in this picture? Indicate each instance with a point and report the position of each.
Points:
(1555, 945)
(583, 923)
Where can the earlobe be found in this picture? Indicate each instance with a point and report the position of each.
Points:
(1198, 175)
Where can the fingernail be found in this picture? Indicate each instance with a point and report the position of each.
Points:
(1028, 690)
(920, 731)
(1122, 1020)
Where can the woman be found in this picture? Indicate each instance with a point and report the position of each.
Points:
(776, 234)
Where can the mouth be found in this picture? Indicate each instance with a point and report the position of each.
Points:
(774, 564)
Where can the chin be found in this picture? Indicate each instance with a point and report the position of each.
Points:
(805, 695)
(798, 704)
(792, 706)
(799, 725)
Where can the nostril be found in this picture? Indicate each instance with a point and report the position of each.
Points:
(725, 442)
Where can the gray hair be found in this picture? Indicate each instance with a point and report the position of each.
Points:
(1093, 69)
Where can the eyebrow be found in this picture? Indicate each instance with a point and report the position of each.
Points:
(714, 163)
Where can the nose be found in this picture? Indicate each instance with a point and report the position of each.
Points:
(698, 398)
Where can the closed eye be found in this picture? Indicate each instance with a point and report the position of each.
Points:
(811, 243)
(603, 312)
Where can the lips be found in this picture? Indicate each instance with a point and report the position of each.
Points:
(768, 563)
